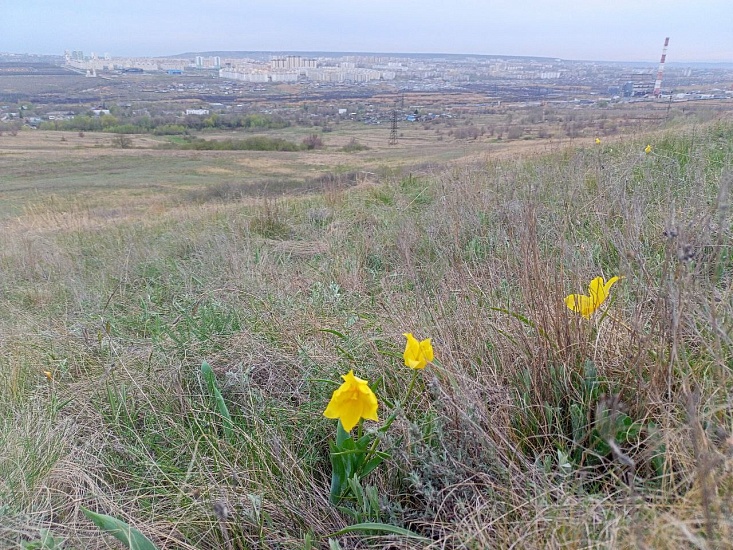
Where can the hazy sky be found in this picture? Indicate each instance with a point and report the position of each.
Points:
(612, 30)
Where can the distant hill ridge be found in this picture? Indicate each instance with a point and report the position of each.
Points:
(267, 54)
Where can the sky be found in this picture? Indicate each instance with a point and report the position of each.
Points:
(611, 30)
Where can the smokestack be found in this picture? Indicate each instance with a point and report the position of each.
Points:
(658, 84)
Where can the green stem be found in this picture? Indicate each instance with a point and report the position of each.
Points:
(391, 419)
(412, 385)
(375, 442)
(372, 449)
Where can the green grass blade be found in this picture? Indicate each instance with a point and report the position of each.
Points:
(334, 332)
(383, 527)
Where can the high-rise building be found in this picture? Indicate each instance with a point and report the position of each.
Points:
(293, 62)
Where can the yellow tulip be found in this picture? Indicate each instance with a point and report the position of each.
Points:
(417, 354)
(598, 141)
(586, 305)
(48, 374)
(648, 149)
(352, 401)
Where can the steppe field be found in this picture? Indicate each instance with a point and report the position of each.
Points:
(175, 322)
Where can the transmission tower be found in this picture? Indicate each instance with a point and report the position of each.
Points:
(658, 84)
(393, 128)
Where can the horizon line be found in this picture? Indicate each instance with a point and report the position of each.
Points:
(395, 53)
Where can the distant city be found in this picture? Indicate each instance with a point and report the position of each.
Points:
(410, 71)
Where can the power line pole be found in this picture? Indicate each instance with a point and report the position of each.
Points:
(393, 128)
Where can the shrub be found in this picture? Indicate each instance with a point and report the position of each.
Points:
(313, 141)
(354, 146)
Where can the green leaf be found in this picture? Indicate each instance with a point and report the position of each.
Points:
(58, 406)
(563, 461)
(334, 332)
(356, 490)
(598, 445)
(341, 436)
(550, 413)
(220, 403)
(369, 467)
(347, 511)
(45, 542)
(338, 478)
(591, 383)
(382, 527)
(578, 422)
(120, 530)
(364, 441)
(343, 464)
(658, 461)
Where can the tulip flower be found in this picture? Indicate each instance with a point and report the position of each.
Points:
(586, 305)
(352, 401)
(598, 141)
(648, 149)
(417, 354)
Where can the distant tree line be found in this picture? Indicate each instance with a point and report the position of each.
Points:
(165, 125)
(254, 143)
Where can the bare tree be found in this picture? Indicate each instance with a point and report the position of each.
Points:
(121, 141)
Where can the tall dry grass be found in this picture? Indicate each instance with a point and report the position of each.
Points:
(536, 428)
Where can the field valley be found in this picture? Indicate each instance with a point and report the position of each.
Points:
(130, 259)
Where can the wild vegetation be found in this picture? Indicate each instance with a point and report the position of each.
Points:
(257, 143)
(533, 425)
(127, 123)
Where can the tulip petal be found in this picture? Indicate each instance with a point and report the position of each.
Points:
(599, 292)
(587, 306)
(350, 417)
(370, 407)
(351, 401)
(596, 289)
(417, 354)
(581, 304)
(333, 409)
(609, 284)
(426, 348)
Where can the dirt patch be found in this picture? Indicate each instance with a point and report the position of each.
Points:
(269, 164)
(214, 170)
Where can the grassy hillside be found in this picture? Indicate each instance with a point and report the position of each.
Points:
(534, 427)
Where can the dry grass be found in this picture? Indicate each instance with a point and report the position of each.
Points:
(535, 428)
